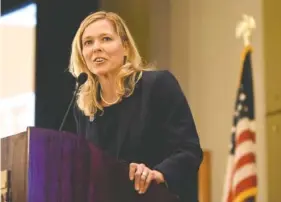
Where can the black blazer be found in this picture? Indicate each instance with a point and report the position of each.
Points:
(159, 131)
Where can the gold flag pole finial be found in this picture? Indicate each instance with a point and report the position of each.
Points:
(245, 28)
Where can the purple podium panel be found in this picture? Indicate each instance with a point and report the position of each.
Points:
(66, 168)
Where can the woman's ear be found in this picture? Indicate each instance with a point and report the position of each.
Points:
(125, 46)
(126, 53)
(125, 59)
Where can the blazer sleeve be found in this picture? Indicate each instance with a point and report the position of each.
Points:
(177, 126)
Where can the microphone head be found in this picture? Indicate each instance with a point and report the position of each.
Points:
(82, 78)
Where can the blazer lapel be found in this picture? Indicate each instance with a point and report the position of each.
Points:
(126, 118)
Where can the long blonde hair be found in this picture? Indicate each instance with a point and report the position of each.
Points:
(88, 97)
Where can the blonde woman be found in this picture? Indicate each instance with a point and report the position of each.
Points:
(131, 111)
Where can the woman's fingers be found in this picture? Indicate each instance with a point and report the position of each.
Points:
(158, 176)
(144, 175)
(138, 174)
(148, 180)
(132, 170)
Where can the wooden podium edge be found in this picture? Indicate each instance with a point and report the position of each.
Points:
(205, 178)
(14, 159)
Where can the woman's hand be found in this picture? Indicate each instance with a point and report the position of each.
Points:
(143, 176)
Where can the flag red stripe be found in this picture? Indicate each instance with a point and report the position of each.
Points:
(249, 158)
(246, 135)
(245, 184)
(244, 160)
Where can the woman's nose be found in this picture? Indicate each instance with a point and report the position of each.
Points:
(96, 47)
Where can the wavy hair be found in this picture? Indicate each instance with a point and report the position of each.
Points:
(88, 98)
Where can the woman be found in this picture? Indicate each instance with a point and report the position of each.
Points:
(131, 111)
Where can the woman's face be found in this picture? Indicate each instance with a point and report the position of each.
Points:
(102, 48)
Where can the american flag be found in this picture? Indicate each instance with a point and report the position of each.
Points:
(241, 176)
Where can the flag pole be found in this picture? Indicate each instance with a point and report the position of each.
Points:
(241, 173)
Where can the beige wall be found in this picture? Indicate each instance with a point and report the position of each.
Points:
(206, 59)
(160, 33)
(272, 44)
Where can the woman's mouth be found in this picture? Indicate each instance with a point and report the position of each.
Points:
(99, 60)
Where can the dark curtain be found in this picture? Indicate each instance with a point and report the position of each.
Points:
(8, 6)
(57, 22)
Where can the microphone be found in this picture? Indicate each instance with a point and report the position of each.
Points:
(82, 78)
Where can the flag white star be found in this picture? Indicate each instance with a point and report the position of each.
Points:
(239, 108)
(242, 97)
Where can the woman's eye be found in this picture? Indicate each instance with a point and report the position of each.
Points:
(86, 43)
(106, 38)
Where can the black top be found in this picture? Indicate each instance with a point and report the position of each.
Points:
(153, 126)
(107, 123)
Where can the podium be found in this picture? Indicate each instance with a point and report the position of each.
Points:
(51, 166)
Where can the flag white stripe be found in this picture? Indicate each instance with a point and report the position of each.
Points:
(244, 172)
(243, 149)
